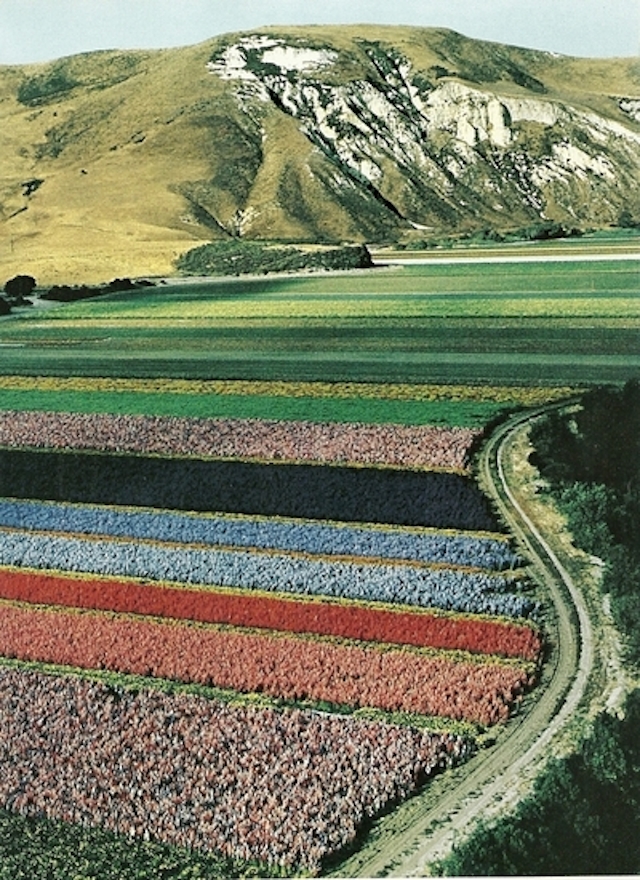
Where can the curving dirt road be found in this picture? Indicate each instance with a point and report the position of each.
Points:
(423, 830)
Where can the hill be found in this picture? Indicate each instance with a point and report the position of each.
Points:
(114, 163)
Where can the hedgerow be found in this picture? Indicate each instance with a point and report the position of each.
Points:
(235, 257)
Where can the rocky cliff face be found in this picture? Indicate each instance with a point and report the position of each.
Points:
(330, 134)
(432, 149)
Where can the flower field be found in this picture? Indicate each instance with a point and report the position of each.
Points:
(300, 573)
(283, 667)
(283, 788)
(355, 494)
(408, 583)
(302, 536)
(374, 623)
(261, 439)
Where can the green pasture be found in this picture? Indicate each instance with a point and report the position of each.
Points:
(522, 323)
(460, 414)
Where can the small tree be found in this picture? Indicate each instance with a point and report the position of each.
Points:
(19, 286)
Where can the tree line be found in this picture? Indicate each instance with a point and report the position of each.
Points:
(584, 812)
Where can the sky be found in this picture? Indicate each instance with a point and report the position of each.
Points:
(41, 30)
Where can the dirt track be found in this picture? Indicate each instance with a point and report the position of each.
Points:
(404, 844)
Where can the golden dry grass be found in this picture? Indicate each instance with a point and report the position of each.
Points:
(112, 200)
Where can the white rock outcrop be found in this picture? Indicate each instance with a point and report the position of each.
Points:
(440, 135)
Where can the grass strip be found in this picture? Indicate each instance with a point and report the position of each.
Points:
(445, 413)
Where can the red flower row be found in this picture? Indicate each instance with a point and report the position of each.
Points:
(392, 679)
(408, 627)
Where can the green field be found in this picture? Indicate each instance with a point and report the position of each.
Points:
(515, 323)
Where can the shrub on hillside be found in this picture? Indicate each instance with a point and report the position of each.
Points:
(234, 257)
(18, 287)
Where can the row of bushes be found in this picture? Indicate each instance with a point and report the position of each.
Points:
(591, 458)
(337, 539)
(19, 289)
(66, 293)
(239, 257)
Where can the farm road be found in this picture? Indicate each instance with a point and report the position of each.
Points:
(613, 256)
(425, 830)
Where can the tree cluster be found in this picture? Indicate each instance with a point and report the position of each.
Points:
(66, 293)
(581, 818)
(16, 292)
(592, 460)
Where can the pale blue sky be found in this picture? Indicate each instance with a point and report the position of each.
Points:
(38, 30)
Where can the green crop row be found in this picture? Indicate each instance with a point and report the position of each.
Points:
(43, 849)
(461, 414)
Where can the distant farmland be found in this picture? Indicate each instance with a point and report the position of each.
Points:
(241, 533)
(516, 323)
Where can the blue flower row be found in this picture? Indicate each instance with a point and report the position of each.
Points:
(409, 584)
(305, 537)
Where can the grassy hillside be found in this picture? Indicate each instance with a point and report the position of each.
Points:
(116, 162)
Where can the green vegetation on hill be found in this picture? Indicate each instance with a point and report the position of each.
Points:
(581, 818)
(236, 257)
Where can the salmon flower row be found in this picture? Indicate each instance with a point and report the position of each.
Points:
(280, 666)
(260, 439)
(285, 788)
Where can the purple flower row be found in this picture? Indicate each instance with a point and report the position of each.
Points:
(299, 536)
(285, 788)
(406, 583)
(266, 439)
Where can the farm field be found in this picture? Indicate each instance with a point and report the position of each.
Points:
(240, 535)
(559, 323)
(336, 591)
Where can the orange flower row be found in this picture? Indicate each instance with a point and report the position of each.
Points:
(288, 667)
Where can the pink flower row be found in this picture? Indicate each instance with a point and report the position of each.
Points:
(286, 788)
(281, 666)
(267, 440)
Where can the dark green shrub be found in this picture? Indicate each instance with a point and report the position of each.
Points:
(240, 257)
